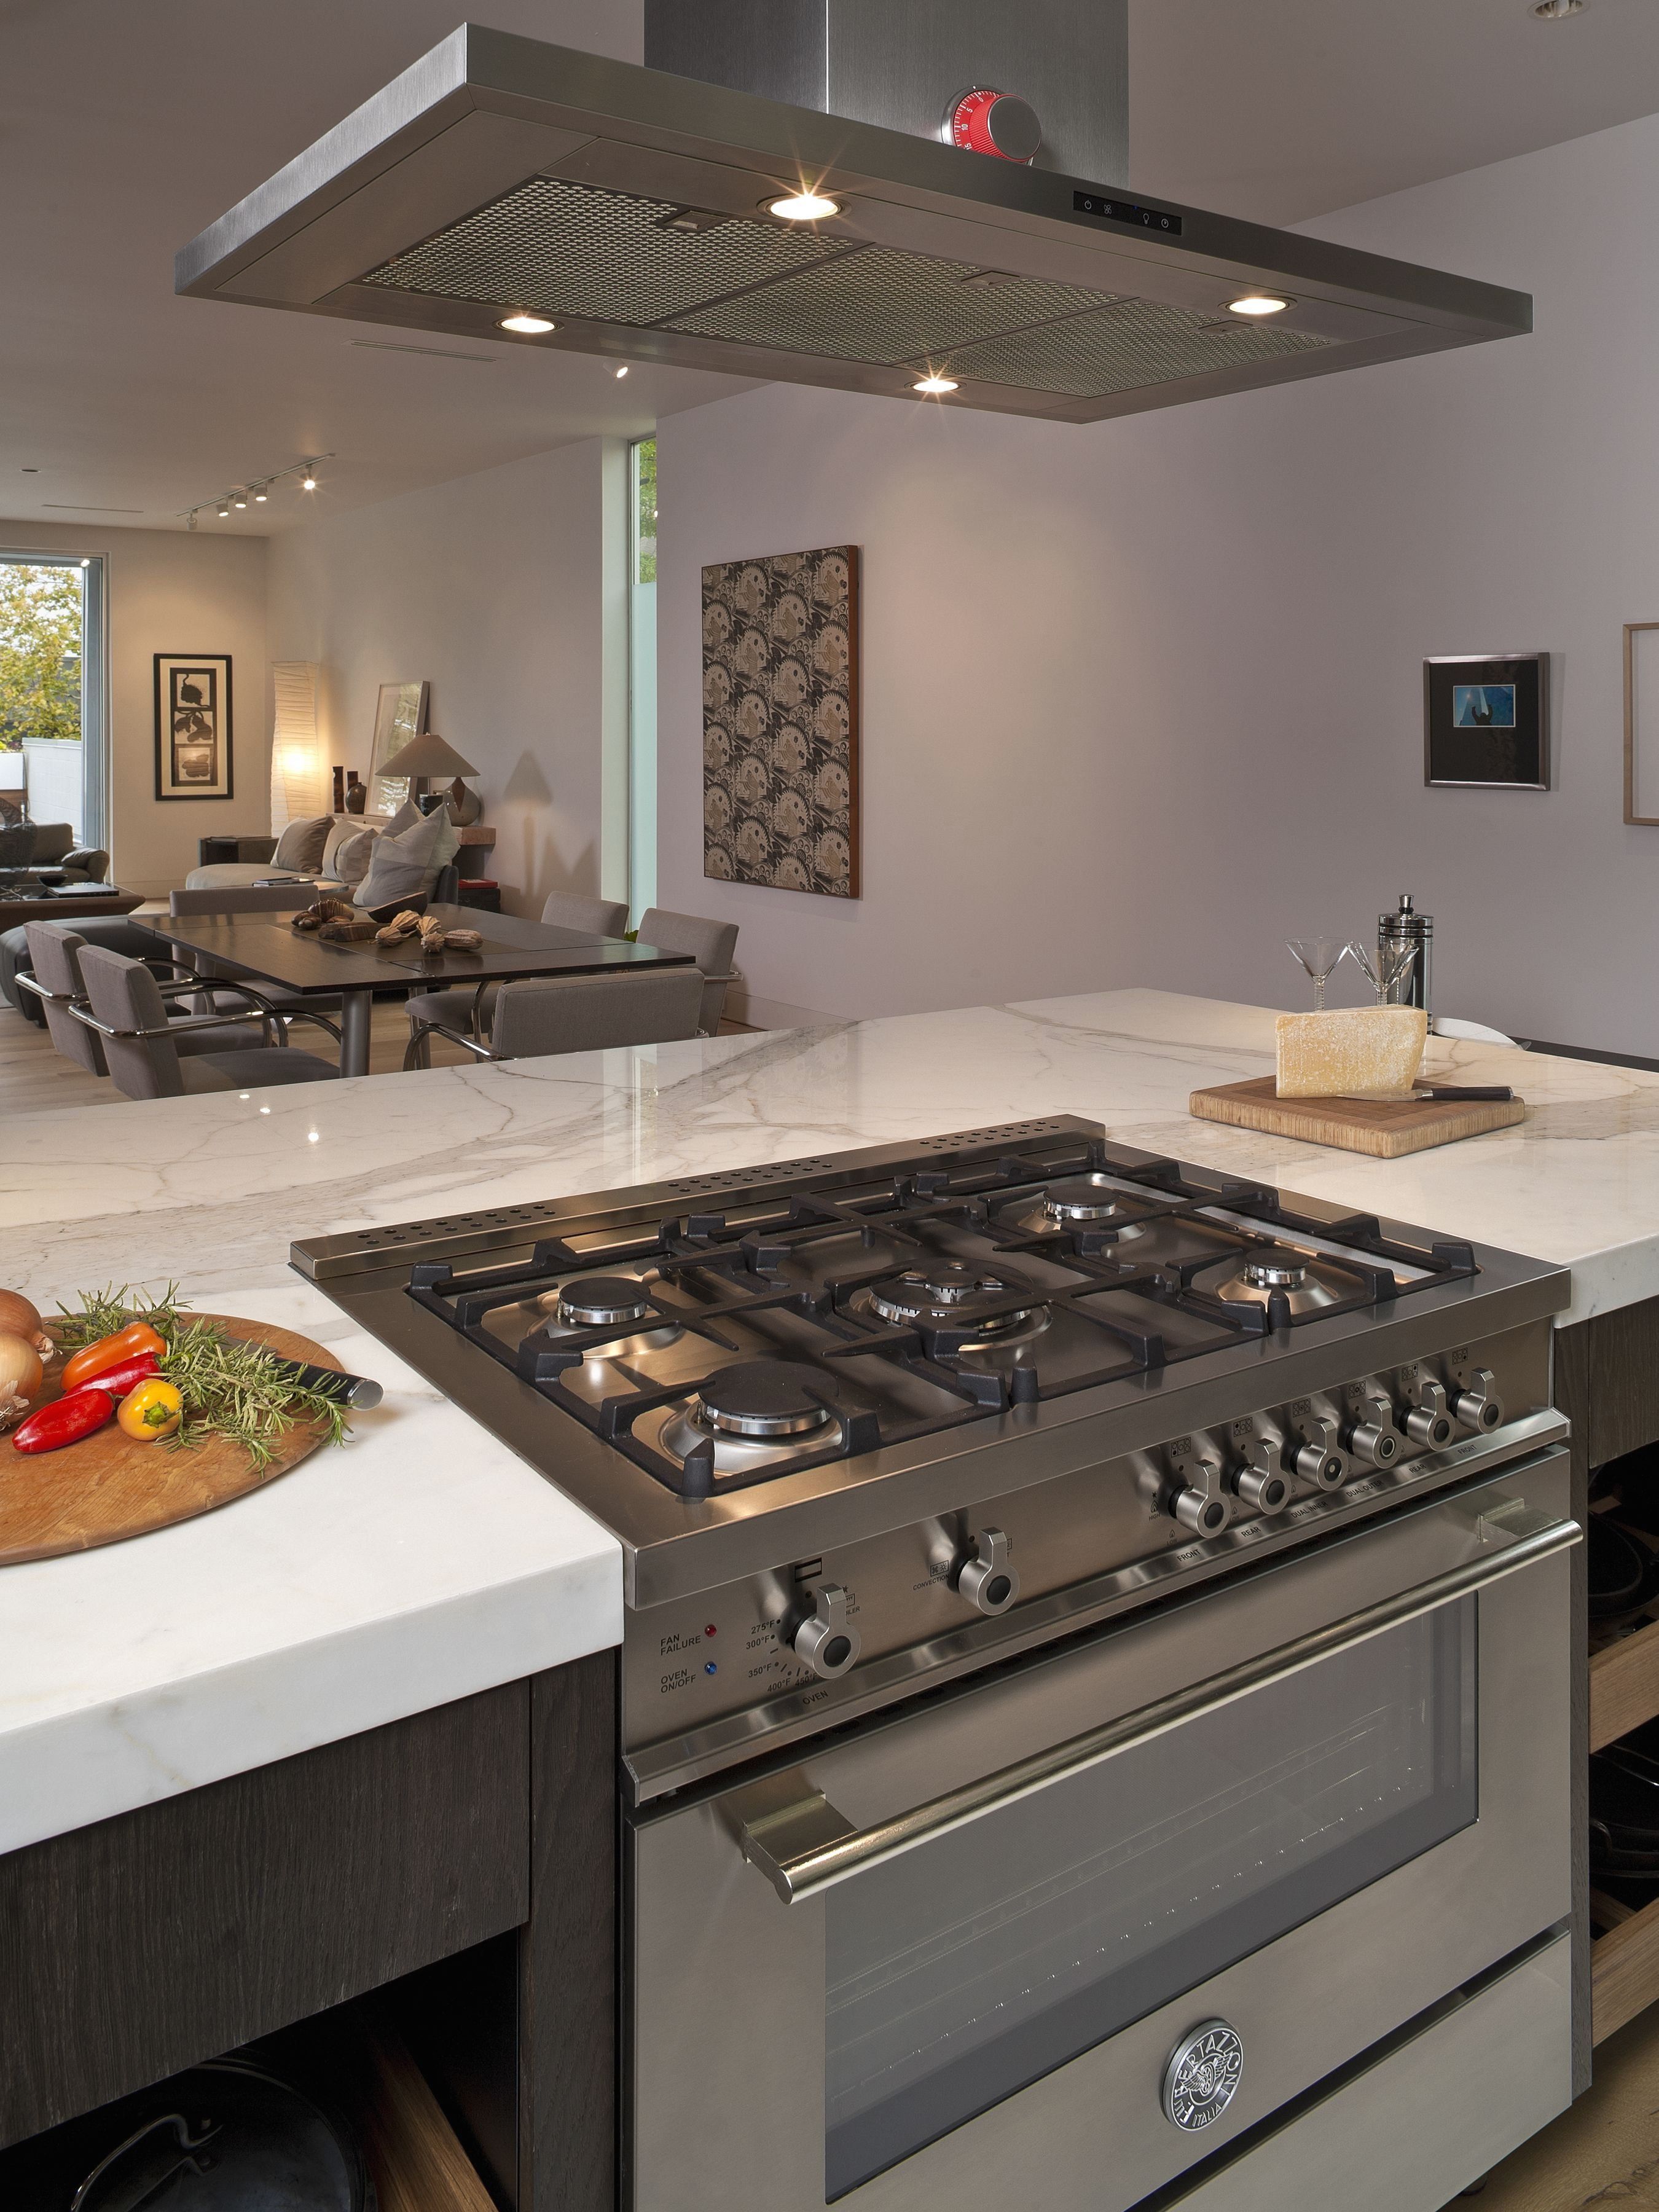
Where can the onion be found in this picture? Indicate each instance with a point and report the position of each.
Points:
(20, 1375)
(19, 1318)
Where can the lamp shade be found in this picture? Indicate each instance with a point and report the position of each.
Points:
(297, 782)
(428, 756)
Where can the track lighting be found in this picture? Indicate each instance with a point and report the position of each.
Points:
(260, 496)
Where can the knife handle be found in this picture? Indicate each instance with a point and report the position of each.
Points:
(1500, 1093)
(358, 1390)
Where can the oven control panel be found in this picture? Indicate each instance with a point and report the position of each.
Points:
(801, 1638)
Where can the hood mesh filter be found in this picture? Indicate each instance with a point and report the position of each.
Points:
(1137, 342)
(572, 250)
(881, 306)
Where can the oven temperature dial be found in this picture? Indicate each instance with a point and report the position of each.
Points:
(987, 1580)
(826, 1640)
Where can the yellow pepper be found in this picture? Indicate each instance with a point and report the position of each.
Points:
(151, 1412)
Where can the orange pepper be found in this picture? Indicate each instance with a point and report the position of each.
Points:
(111, 1351)
(151, 1412)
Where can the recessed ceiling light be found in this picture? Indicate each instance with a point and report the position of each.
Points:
(934, 385)
(1257, 303)
(527, 326)
(804, 207)
(623, 371)
(1557, 11)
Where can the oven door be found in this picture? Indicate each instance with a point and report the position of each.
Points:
(960, 1957)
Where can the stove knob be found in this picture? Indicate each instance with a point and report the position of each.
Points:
(1317, 1459)
(1477, 1403)
(1261, 1482)
(1371, 1434)
(1201, 1503)
(827, 1643)
(1429, 1422)
(987, 1580)
(987, 121)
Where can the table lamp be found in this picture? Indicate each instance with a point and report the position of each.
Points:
(425, 756)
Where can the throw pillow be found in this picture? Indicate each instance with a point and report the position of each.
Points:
(301, 845)
(352, 856)
(17, 847)
(409, 814)
(401, 867)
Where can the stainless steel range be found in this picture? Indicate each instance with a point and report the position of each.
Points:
(1094, 1679)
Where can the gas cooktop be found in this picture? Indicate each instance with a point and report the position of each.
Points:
(733, 1370)
(721, 1350)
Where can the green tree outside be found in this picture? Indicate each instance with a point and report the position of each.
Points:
(40, 622)
(645, 520)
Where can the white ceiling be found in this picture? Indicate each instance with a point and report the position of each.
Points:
(125, 128)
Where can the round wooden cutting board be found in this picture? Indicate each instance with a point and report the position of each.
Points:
(109, 1486)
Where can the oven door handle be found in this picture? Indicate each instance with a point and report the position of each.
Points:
(807, 1846)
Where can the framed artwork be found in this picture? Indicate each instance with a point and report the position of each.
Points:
(193, 725)
(399, 715)
(1642, 723)
(781, 721)
(1487, 721)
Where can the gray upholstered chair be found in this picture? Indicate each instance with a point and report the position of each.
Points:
(587, 1013)
(55, 981)
(712, 945)
(128, 1014)
(466, 1015)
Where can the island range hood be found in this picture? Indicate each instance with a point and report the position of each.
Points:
(633, 213)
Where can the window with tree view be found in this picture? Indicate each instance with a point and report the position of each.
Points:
(51, 693)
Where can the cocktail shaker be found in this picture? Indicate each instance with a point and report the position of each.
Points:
(1405, 928)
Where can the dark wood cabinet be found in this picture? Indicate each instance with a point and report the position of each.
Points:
(141, 1945)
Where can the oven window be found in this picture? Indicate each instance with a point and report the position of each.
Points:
(966, 1969)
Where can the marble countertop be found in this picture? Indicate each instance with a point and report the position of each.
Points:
(426, 1561)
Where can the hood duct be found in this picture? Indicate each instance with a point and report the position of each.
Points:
(630, 208)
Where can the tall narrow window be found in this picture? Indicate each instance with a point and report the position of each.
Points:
(52, 692)
(642, 677)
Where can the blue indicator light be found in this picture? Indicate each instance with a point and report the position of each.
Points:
(710, 1668)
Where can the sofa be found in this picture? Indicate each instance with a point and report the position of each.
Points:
(256, 860)
(50, 848)
(114, 931)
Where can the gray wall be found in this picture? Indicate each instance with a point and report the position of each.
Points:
(1142, 700)
(499, 590)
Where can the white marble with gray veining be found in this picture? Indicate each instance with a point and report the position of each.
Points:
(426, 1561)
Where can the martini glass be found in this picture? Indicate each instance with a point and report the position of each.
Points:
(1385, 970)
(1319, 956)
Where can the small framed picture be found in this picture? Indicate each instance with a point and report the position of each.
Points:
(1486, 721)
(193, 727)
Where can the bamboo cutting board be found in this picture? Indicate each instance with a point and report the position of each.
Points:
(1385, 1130)
(110, 1486)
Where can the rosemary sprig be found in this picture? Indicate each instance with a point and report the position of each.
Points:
(230, 1387)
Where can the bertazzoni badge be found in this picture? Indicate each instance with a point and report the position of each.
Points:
(1202, 2073)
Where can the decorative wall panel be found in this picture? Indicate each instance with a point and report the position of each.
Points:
(781, 721)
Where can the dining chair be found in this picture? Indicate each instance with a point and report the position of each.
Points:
(465, 1015)
(712, 945)
(57, 983)
(125, 1008)
(540, 1015)
(259, 898)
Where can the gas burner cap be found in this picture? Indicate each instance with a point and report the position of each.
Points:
(1090, 1198)
(764, 1398)
(950, 1293)
(1296, 1277)
(601, 1301)
(1277, 1272)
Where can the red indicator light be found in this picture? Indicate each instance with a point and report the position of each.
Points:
(711, 1630)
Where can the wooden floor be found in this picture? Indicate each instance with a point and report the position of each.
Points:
(35, 1077)
(1604, 2151)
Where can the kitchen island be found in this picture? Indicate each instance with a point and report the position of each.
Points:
(426, 1567)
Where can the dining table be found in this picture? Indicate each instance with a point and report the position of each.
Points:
(265, 947)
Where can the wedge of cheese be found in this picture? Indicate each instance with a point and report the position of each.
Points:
(1349, 1049)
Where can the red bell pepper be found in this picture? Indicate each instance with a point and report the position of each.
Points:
(118, 1381)
(64, 1421)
